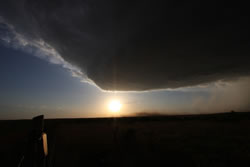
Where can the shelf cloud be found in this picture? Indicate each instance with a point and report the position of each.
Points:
(139, 45)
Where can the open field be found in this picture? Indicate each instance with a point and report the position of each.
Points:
(211, 140)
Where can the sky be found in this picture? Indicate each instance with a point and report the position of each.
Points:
(70, 59)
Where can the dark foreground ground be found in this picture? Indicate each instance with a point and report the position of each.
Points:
(221, 140)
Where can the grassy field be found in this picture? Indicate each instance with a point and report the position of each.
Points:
(219, 140)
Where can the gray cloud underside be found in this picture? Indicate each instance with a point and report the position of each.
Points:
(140, 45)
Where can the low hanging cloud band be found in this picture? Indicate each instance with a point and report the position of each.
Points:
(139, 45)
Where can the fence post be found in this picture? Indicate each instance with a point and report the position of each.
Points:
(36, 154)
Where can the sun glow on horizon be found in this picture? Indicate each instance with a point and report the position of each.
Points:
(115, 106)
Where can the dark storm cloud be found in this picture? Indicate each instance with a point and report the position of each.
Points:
(140, 45)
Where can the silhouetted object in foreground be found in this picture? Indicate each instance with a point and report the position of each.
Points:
(36, 152)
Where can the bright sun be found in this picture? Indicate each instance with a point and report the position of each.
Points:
(115, 106)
